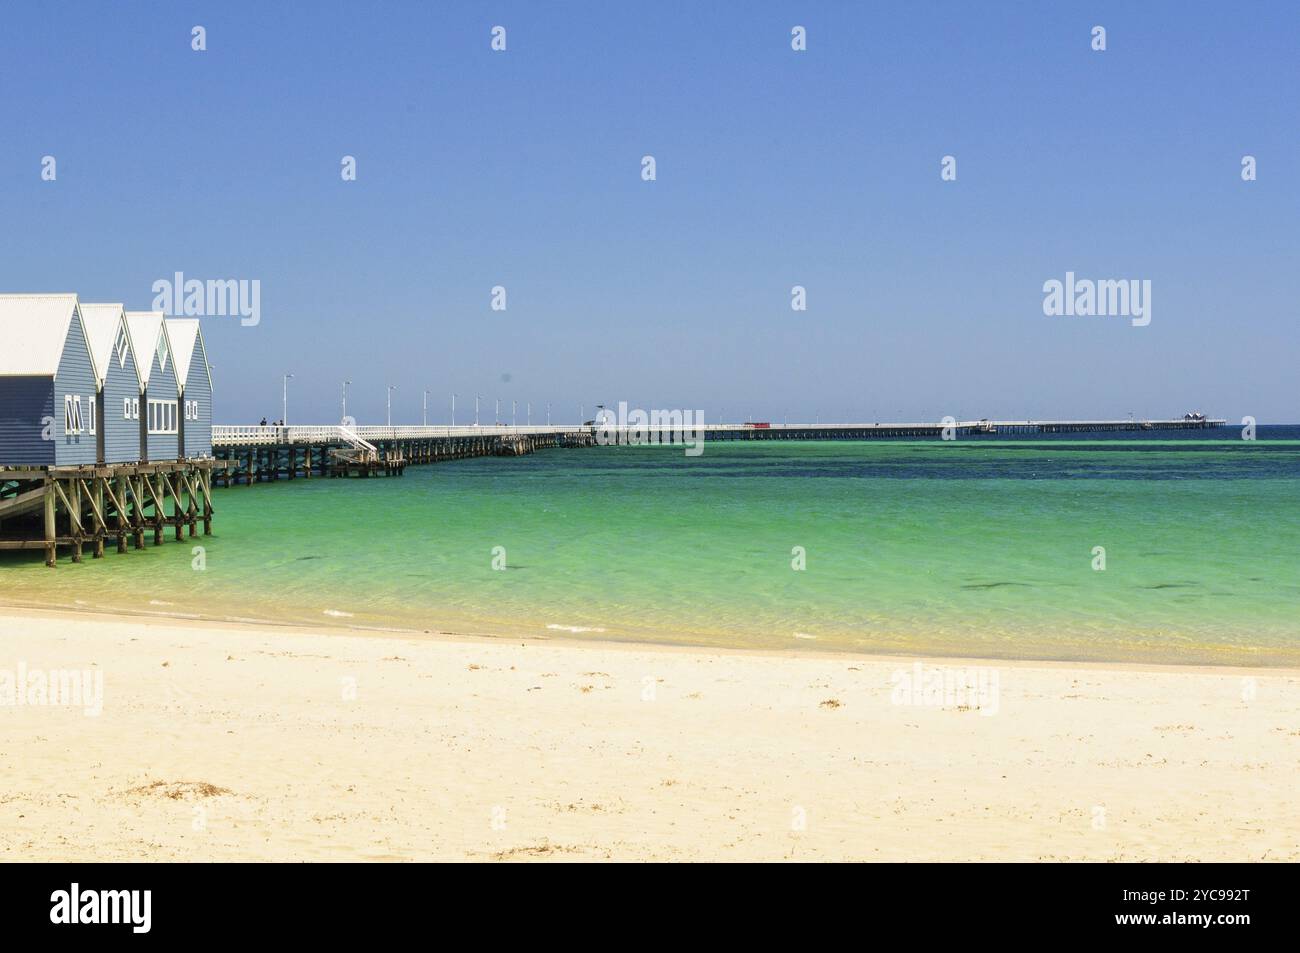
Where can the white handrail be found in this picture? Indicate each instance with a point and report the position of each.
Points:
(364, 438)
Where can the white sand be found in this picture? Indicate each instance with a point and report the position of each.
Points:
(482, 749)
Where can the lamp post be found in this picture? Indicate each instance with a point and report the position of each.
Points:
(496, 410)
(284, 408)
(548, 413)
(528, 420)
(391, 388)
(344, 390)
(426, 407)
(477, 398)
(514, 412)
(453, 410)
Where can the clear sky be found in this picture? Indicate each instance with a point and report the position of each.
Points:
(775, 168)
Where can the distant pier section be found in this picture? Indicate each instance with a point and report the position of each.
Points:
(955, 428)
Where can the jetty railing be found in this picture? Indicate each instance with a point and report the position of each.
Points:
(368, 437)
(223, 435)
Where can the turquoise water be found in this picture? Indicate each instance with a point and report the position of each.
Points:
(980, 548)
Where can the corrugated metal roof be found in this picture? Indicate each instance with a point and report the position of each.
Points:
(102, 322)
(183, 332)
(144, 328)
(33, 328)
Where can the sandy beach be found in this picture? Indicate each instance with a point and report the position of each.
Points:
(231, 742)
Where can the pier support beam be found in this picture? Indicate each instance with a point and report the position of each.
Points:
(51, 547)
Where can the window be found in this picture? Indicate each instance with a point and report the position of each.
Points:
(121, 349)
(162, 416)
(93, 421)
(135, 408)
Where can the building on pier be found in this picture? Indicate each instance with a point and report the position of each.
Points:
(118, 434)
(160, 393)
(48, 384)
(194, 379)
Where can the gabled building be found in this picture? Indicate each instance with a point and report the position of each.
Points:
(118, 401)
(195, 379)
(48, 385)
(159, 421)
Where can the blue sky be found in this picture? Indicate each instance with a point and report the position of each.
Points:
(775, 168)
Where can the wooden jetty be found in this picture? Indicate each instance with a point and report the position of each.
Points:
(260, 454)
(263, 453)
(75, 506)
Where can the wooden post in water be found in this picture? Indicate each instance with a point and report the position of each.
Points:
(175, 489)
(120, 504)
(192, 513)
(51, 547)
(73, 499)
(158, 508)
(95, 499)
(136, 483)
(207, 503)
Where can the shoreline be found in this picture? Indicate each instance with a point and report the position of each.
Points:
(600, 640)
(227, 741)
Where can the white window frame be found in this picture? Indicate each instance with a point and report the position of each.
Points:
(67, 414)
(162, 417)
(135, 408)
(94, 416)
